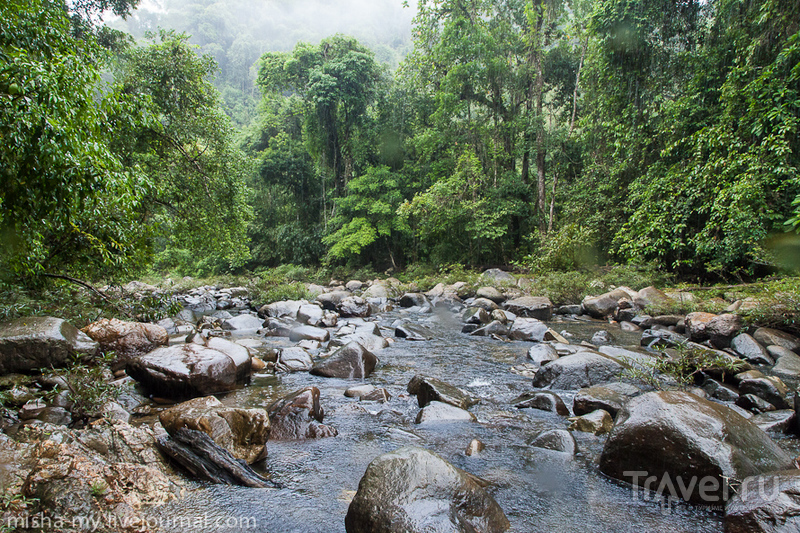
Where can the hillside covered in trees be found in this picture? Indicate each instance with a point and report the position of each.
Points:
(549, 135)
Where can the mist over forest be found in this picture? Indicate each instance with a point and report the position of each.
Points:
(236, 33)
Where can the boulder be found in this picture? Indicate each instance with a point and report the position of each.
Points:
(776, 421)
(650, 296)
(412, 490)
(354, 306)
(754, 404)
(310, 315)
(528, 329)
(485, 304)
(610, 397)
(353, 285)
(189, 370)
(493, 328)
(582, 369)
(537, 307)
(294, 359)
(287, 309)
(787, 363)
(413, 299)
(298, 416)
(604, 305)
(770, 337)
(331, 300)
(497, 275)
(751, 350)
(359, 391)
(351, 361)
(128, 339)
(601, 338)
(541, 354)
(490, 293)
(765, 504)
(431, 389)
(474, 447)
(770, 388)
(476, 315)
(310, 333)
(670, 434)
(443, 412)
(244, 322)
(32, 343)
(543, 400)
(559, 440)
(597, 422)
(243, 432)
(412, 332)
(718, 329)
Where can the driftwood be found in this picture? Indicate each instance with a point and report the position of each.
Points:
(205, 459)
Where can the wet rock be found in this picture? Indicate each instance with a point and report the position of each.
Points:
(275, 328)
(359, 391)
(128, 339)
(771, 389)
(751, 350)
(543, 400)
(582, 369)
(494, 328)
(754, 404)
(528, 329)
(597, 422)
(501, 316)
(242, 323)
(748, 374)
(413, 299)
(476, 315)
(610, 397)
(412, 332)
(351, 361)
(718, 329)
(443, 412)
(470, 328)
(770, 337)
(31, 409)
(720, 391)
(553, 336)
(629, 327)
(474, 447)
(787, 362)
(573, 309)
(57, 416)
(776, 421)
(412, 490)
(431, 389)
(559, 440)
(370, 341)
(29, 344)
(67, 466)
(650, 296)
(283, 309)
(541, 354)
(310, 315)
(662, 338)
(485, 304)
(243, 432)
(189, 370)
(378, 395)
(602, 338)
(765, 504)
(497, 275)
(354, 306)
(207, 460)
(294, 359)
(331, 300)
(675, 434)
(309, 332)
(605, 304)
(298, 416)
(536, 307)
(490, 293)
(114, 411)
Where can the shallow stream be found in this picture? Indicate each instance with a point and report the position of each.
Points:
(538, 489)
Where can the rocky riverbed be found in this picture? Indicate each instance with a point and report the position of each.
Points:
(375, 409)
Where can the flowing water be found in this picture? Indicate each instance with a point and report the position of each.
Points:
(539, 490)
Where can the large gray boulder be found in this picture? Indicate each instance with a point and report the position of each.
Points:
(294, 359)
(351, 361)
(243, 432)
(610, 397)
(582, 369)
(537, 307)
(298, 416)
(774, 337)
(696, 445)
(431, 389)
(412, 490)
(766, 504)
(189, 370)
(605, 304)
(528, 329)
(33, 343)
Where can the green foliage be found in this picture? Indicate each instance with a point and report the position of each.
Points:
(67, 201)
(777, 306)
(683, 368)
(562, 288)
(570, 248)
(88, 386)
(98, 488)
(275, 285)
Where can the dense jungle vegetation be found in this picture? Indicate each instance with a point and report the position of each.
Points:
(223, 137)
